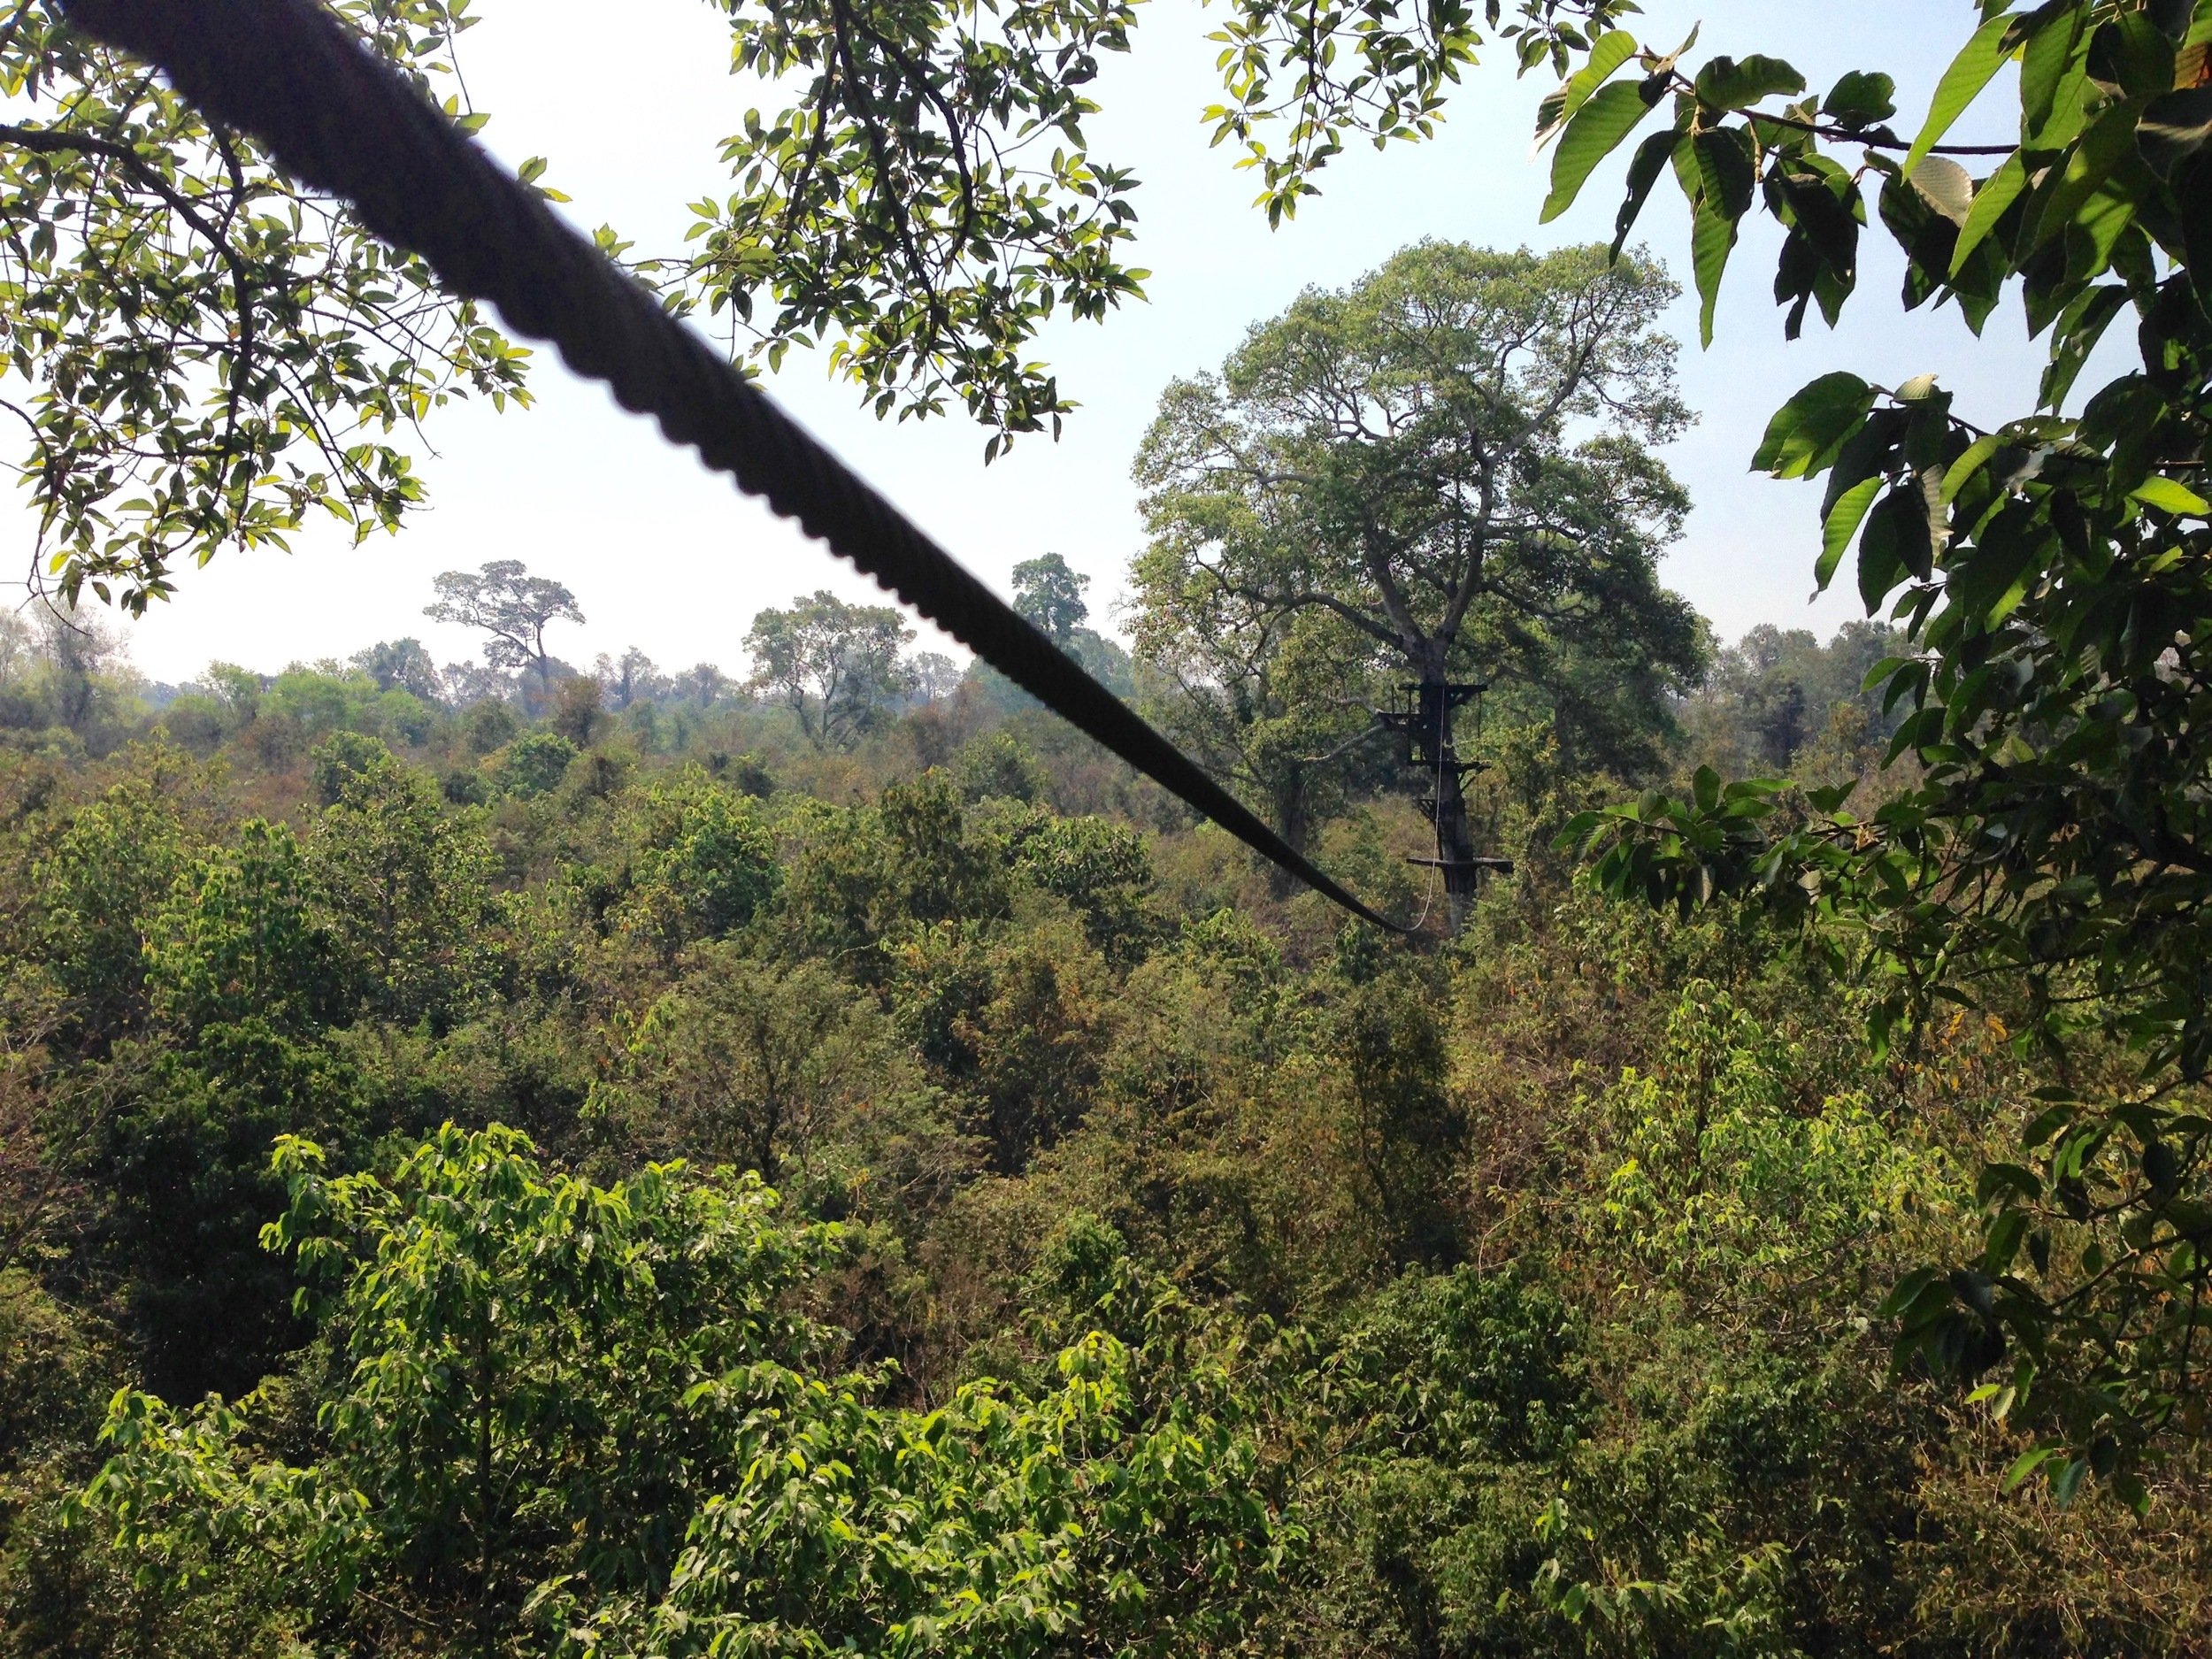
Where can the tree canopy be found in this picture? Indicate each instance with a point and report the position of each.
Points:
(1441, 473)
(204, 353)
(511, 607)
(1152, 1263)
(2047, 572)
(1048, 592)
(835, 665)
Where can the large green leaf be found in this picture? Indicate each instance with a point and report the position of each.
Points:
(1825, 206)
(1988, 580)
(1606, 57)
(2135, 55)
(1868, 453)
(2174, 128)
(2027, 1464)
(1726, 84)
(1860, 99)
(1726, 169)
(1644, 169)
(1975, 457)
(2079, 328)
(2065, 190)
(1895, 543)
(1712, 239)
(1612, 113)
(1806, 432)
(1998, 192)
(1844, 520)
(1971, 71)
(2169, 496)
(2052, 71)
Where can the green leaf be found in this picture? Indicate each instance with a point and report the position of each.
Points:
(1712, 239)
(1726, 168)
(1842, 525)
(2168, 496)
(2064, 191)
(1963, 469)
(1644, 169)
(1606, 57)
(1726, 84)
(1828, 799)
(1909, 1291)
(2079, 328)
(1999, 1179)
(2051, 69)
(1596, 133)
(1997, 193)
(1808, 432)
(1945, 187)
(2069, 1481)
(1866, 454)
(1970, 72)
(2133, 53)
(2003, 1243)
(1861, 100)
(1895, 543)
(2026, 1464)
(2174, 127)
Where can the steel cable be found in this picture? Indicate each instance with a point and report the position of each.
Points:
(347, 123)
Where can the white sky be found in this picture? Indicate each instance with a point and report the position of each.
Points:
(664, 555)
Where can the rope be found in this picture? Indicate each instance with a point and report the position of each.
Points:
(345, 122)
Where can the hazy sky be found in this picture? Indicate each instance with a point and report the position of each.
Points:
(628, 103)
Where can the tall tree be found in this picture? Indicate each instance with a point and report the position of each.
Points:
(1048, 592)
(104, 875)
(632, 678)
(82, 656)
(835, 665)
(703, 685)
(401, 665)
(513, 607)
(1439, 474)
(936, 676)
(238, 939)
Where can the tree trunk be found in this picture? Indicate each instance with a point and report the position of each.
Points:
(1295, 822)
(1447, 806)
(1455, 845)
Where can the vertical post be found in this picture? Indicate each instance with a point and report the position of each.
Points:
(1436, 701)
(1426, 723)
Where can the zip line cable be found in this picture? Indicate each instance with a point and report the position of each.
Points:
(344, 121)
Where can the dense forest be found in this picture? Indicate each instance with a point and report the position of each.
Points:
(822, 1157)
(621, 1166)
